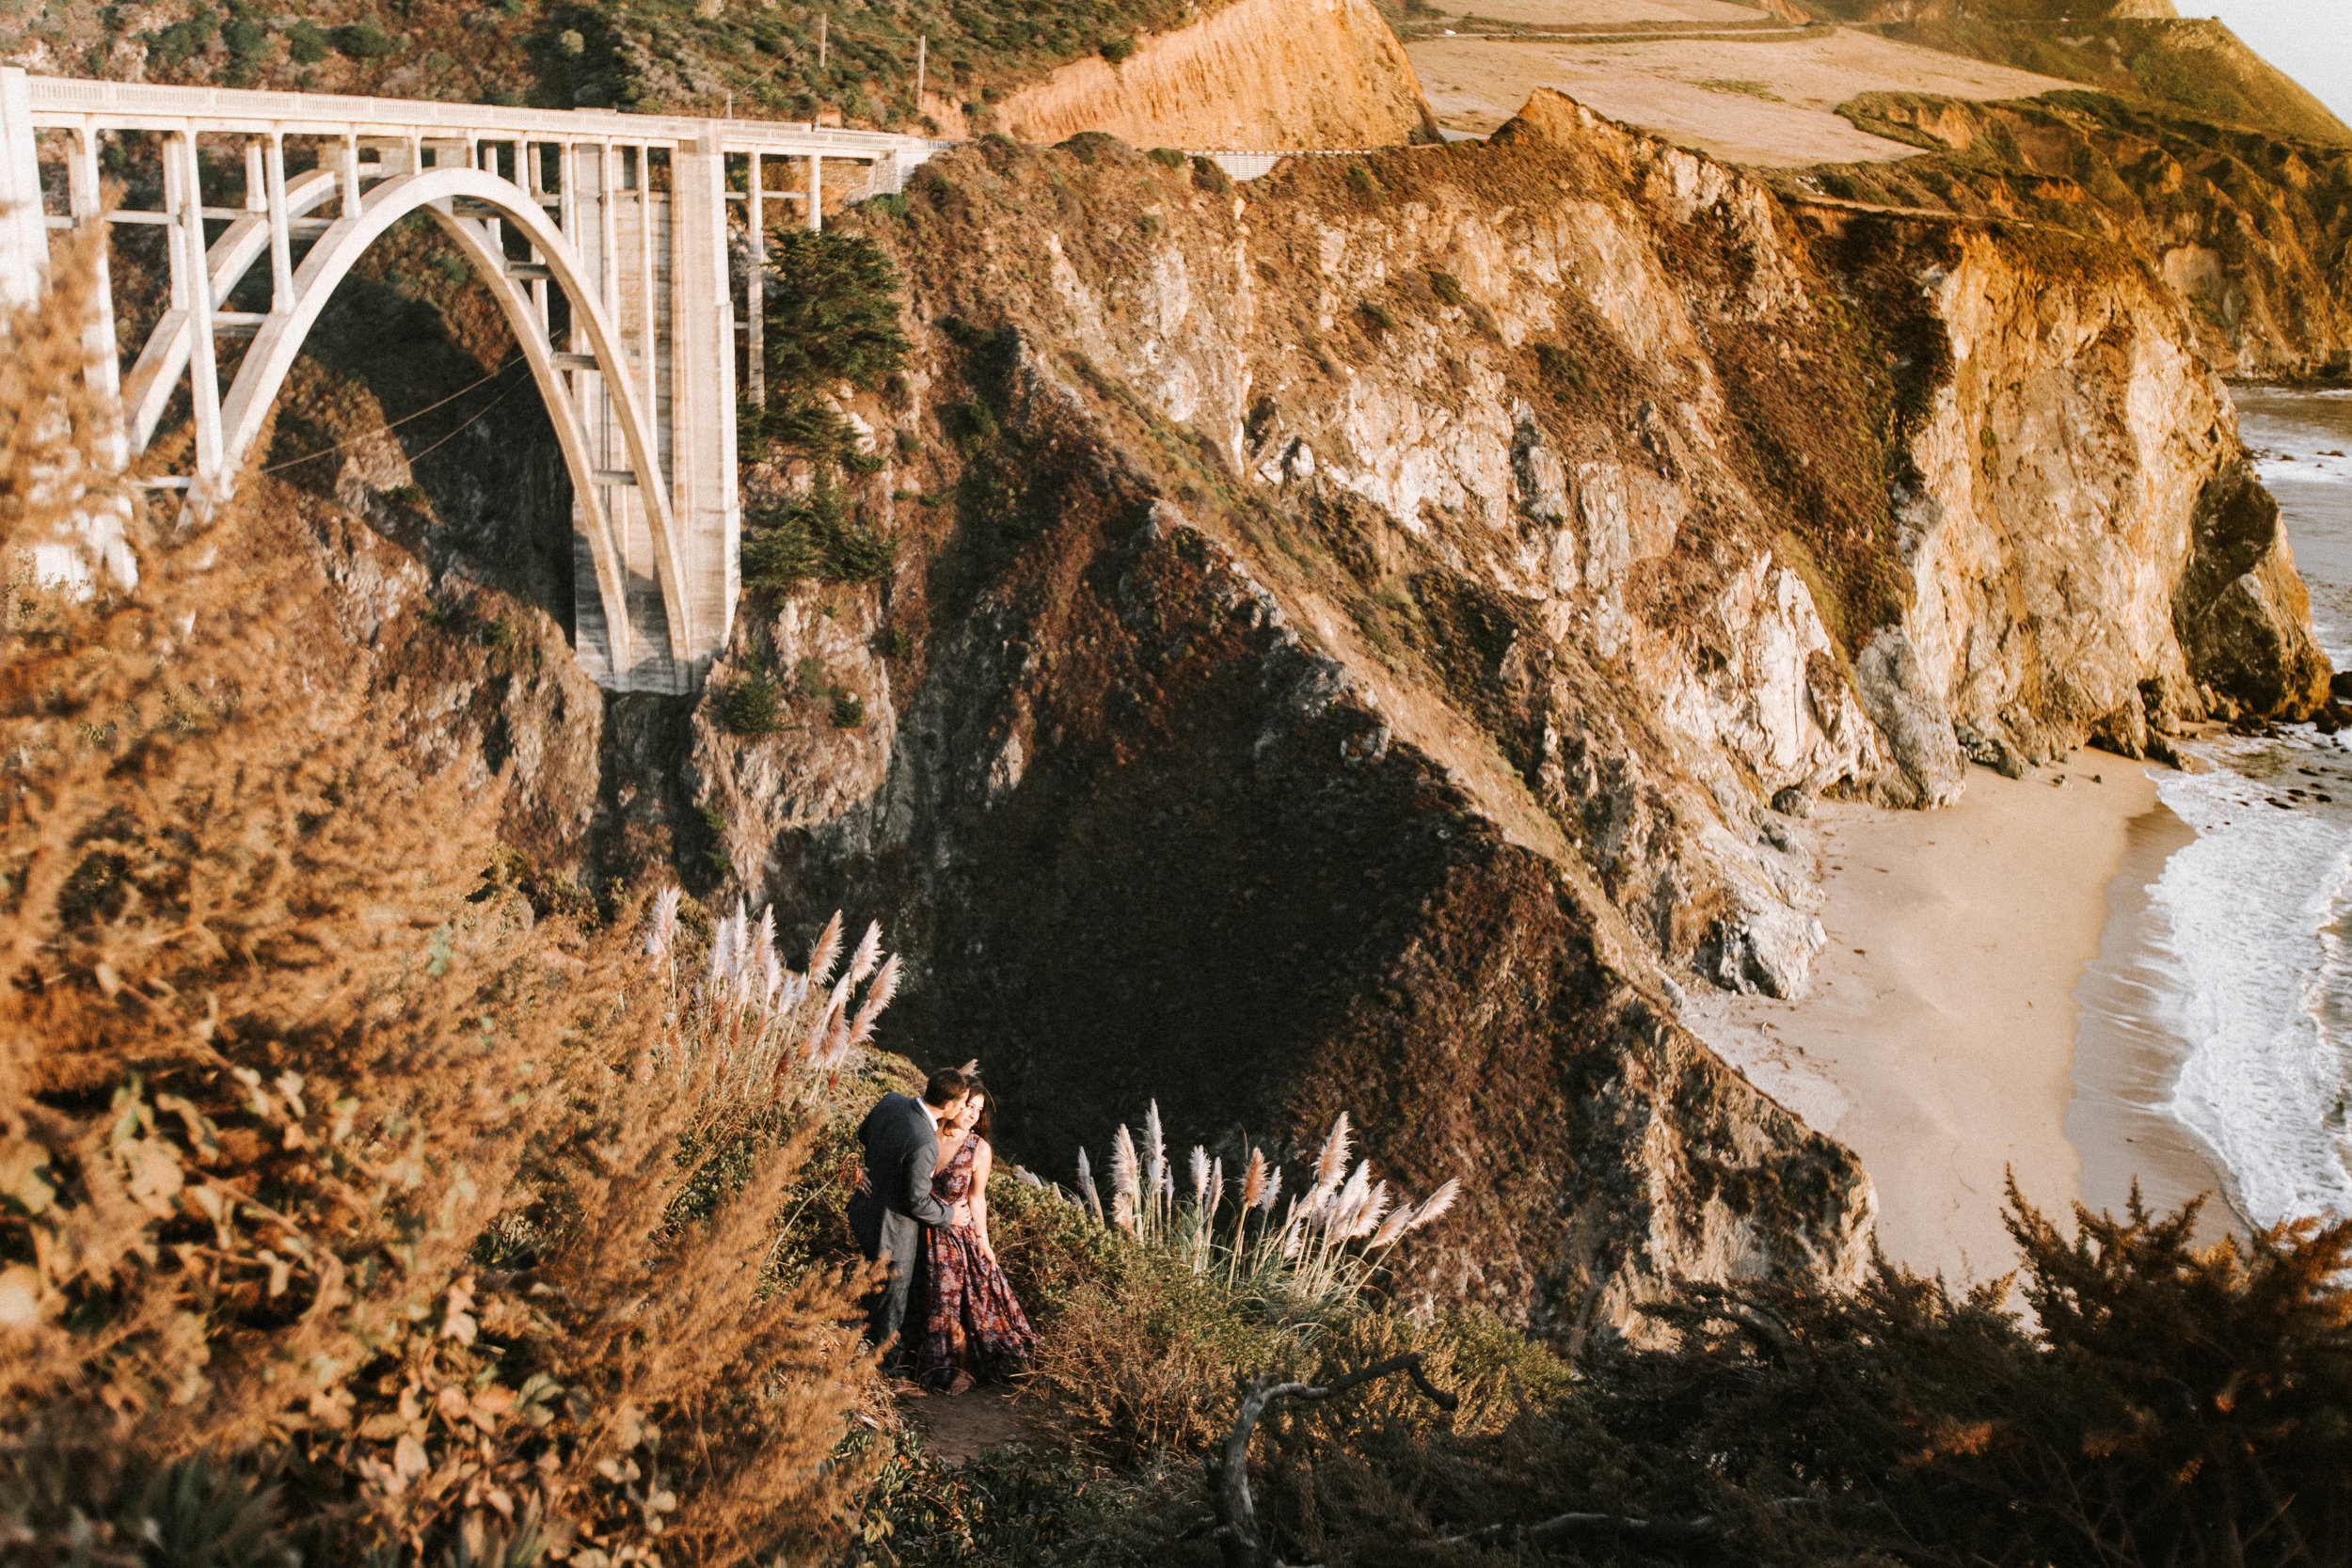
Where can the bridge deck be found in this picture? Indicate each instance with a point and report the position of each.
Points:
(59, 102)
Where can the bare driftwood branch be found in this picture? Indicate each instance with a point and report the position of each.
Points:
(1237, 1533)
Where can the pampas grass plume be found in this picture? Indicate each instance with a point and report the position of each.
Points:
(878, 996)
(1253, 1179)
(868, 953)
(1086, 1187)
(662, 936)
(1126, 1192)
(1332, 1163)
(1155, 1149)
(1437, 1203)
(828, 948)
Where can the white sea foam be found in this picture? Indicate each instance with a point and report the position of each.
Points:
(2255, 905)
(2306, 470)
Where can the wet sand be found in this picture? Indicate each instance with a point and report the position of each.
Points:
(2128, 1050)
(1937, 1041)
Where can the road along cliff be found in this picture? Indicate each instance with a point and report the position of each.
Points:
(1369, 639)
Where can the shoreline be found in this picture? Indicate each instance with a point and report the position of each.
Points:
(2128, 1053)
(1938, 1038)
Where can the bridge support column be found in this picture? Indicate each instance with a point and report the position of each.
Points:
(702, 355)
(24, 233)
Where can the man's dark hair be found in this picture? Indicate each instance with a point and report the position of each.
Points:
(945, 1087)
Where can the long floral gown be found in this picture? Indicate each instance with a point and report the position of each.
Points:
(970, 1317)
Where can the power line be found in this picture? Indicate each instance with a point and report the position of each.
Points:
(406, 418)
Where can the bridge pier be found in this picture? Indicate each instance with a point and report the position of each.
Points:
(607, 231)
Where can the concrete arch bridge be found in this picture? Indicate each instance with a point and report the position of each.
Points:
(603, 236)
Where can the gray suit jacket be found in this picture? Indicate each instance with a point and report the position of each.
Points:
(901, 1153)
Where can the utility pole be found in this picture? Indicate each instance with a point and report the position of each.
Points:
(822, 17)
(922, 45)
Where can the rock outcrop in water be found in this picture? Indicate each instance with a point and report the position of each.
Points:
(1369, 636)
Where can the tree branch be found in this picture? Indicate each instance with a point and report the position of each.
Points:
(1237, 1533)
(1703, 1530)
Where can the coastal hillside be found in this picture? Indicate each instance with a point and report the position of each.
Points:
(1257, 73)
(2249, 231)
(2139, 50)
(1342, 673)
(1444, 580)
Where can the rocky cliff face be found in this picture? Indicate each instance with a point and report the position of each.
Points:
(2250, 233)
(1367, 637)
(1258, 74)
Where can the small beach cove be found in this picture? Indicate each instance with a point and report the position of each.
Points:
(2139, 979)
(1936, 1038)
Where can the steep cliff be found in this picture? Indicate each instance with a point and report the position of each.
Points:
(1258, 74)
(1364, 637)
(2251, 232)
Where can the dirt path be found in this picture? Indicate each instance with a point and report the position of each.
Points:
(958, 1427)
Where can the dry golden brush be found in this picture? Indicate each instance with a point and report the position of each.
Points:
(329, 1174)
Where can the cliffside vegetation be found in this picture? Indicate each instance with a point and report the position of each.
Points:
(851, 60)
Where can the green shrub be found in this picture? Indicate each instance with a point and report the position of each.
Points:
(1167, 157)
(1119, 50)
(248, 38)
(306, 44)
(909, 445)
(1361, 182)
(174, 46)
(1376, 315)
(752, 704)
(814, 538)
(848, 711)
(1559, 367)
(832, 311)
(366, 40)
(1447, 287)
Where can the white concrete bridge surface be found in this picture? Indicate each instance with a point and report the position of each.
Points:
(604, 237)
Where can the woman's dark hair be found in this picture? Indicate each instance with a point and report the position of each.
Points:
(986, 1097)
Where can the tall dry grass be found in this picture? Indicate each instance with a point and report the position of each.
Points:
(1323, 1254)
(339, 1193)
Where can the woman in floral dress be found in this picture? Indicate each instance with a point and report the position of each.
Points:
(972, 1325)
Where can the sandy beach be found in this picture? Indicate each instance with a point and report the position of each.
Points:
(1938, 1038)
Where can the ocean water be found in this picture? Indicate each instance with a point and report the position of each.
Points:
(2223, 1003)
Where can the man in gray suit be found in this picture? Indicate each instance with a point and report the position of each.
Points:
(894, 1202)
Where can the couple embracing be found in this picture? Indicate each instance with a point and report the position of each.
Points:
(947, 1315)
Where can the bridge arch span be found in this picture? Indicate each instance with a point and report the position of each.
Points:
(629, 215)
(437, 192)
